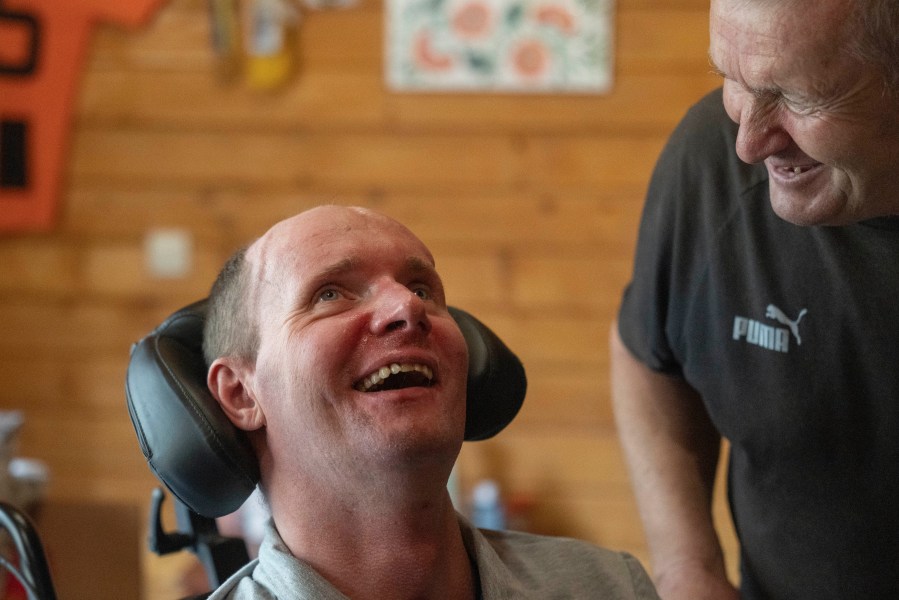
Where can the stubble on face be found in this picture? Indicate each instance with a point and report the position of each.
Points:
(308, 379)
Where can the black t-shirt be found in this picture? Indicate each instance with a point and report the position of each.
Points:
(791, 336)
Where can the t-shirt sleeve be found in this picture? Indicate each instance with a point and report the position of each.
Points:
(680, 207)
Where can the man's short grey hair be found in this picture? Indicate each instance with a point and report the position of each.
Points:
(875, 38)
(230, 329)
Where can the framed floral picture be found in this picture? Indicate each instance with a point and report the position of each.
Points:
(537, 46)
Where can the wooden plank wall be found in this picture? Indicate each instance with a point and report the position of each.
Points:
(530, 204)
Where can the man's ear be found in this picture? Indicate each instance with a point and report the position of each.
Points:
(230, 381)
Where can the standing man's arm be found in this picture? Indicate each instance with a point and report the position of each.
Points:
(672, 452)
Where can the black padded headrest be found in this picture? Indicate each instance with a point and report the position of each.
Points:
(207, 463)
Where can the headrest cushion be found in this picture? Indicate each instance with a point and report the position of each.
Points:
(207, 463)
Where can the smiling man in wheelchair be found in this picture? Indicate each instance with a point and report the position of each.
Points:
(331, 350)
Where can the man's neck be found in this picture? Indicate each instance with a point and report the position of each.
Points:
(403, 545)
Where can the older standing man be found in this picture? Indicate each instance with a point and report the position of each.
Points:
(763, 309)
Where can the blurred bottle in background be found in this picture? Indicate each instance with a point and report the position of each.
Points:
(270, 40)
(487, 510)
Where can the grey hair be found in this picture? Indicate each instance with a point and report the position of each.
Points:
(875, 38)
(230, 329)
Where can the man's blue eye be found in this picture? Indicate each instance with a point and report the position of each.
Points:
(422, 293)
(328, 295)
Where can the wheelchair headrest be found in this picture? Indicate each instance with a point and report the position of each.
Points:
(208, 463)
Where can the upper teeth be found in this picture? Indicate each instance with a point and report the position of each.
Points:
(392, 369)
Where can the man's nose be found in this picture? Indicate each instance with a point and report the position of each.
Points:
(399, 308)
(761, 133)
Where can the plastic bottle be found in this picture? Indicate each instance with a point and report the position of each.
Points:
(270, 28)
(486, 507)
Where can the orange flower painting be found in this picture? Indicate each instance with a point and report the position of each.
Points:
(531, 58)
(473, 20)
(515, 46)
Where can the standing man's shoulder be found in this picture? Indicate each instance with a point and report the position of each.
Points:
(707, 121)
(706, 138)
(698, 175)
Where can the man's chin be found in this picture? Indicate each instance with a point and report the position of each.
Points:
(809, 210)
(422, 438)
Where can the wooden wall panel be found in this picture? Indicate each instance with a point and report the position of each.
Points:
(529, 202)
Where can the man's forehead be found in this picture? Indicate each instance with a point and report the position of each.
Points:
(780, 40)
(411, 263)
(318, 243)
(768, 23)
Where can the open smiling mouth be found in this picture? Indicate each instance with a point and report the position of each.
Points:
(791, 171)
(396, 376)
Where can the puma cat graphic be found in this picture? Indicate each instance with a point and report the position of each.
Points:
(775, 313)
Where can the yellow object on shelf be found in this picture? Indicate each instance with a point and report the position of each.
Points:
(270, 30)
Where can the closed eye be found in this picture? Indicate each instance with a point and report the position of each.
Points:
(799, 106)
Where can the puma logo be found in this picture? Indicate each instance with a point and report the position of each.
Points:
(775, 313)
(767, 336)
